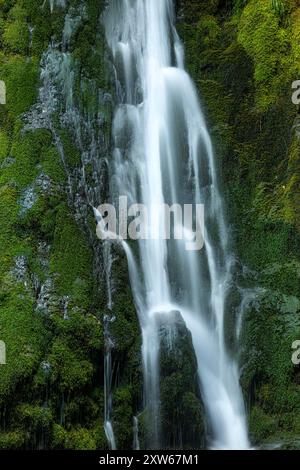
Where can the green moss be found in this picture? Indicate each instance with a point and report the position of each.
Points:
(12, 440)
(56, 351)
(77, 439)
(23, 333)
(69, 370)
(71, 257)
(208, 32)
(16, 36)
(122, 416)
(291, 188)
(4, 145)
(21, 78)
(244, 69)
(33, 417)
(71, 153)
(267, 43)
(25, 151)
(59, 436)
(80, 439)
(261, 425)
(85, 333)
(52, 166)
(271, 326)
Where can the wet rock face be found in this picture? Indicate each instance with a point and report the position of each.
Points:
(54, 152)
(54, 163)
(182, 410)
(233, 51)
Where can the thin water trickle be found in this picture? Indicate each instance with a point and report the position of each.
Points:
(136, 442)
(108, 427)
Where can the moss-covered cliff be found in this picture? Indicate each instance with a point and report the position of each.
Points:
(54, 140)
(54, 149)
(244, 56)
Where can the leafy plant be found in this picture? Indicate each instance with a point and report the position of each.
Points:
(279, 7)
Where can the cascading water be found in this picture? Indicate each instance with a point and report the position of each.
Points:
(136, 442)
(163, 155)
(109, 345)
(108, 428)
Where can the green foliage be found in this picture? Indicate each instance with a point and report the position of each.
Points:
(53, 351)
(244, 70)
(76, 439)
(33, 417)
(21, 79)
(69, 370)
(279, 7)
(85, 332)
(12, 440)
(71, 258)
(208, 31)
(243, 56)
(261, 425)
(4, 145)
(16, 31)
(123, 415)
(267, 43)
(24, 335)
(58, 438)
(80, 439)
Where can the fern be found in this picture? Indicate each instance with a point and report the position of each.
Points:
(279, 7)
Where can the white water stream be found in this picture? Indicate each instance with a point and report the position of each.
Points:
(163, 154)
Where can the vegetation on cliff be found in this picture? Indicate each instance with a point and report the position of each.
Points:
(244, 56)
(52, 300)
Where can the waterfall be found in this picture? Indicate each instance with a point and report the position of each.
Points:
(109, 345)
(108, 428)
(136, 442)
(58, 3)
(163, 155)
